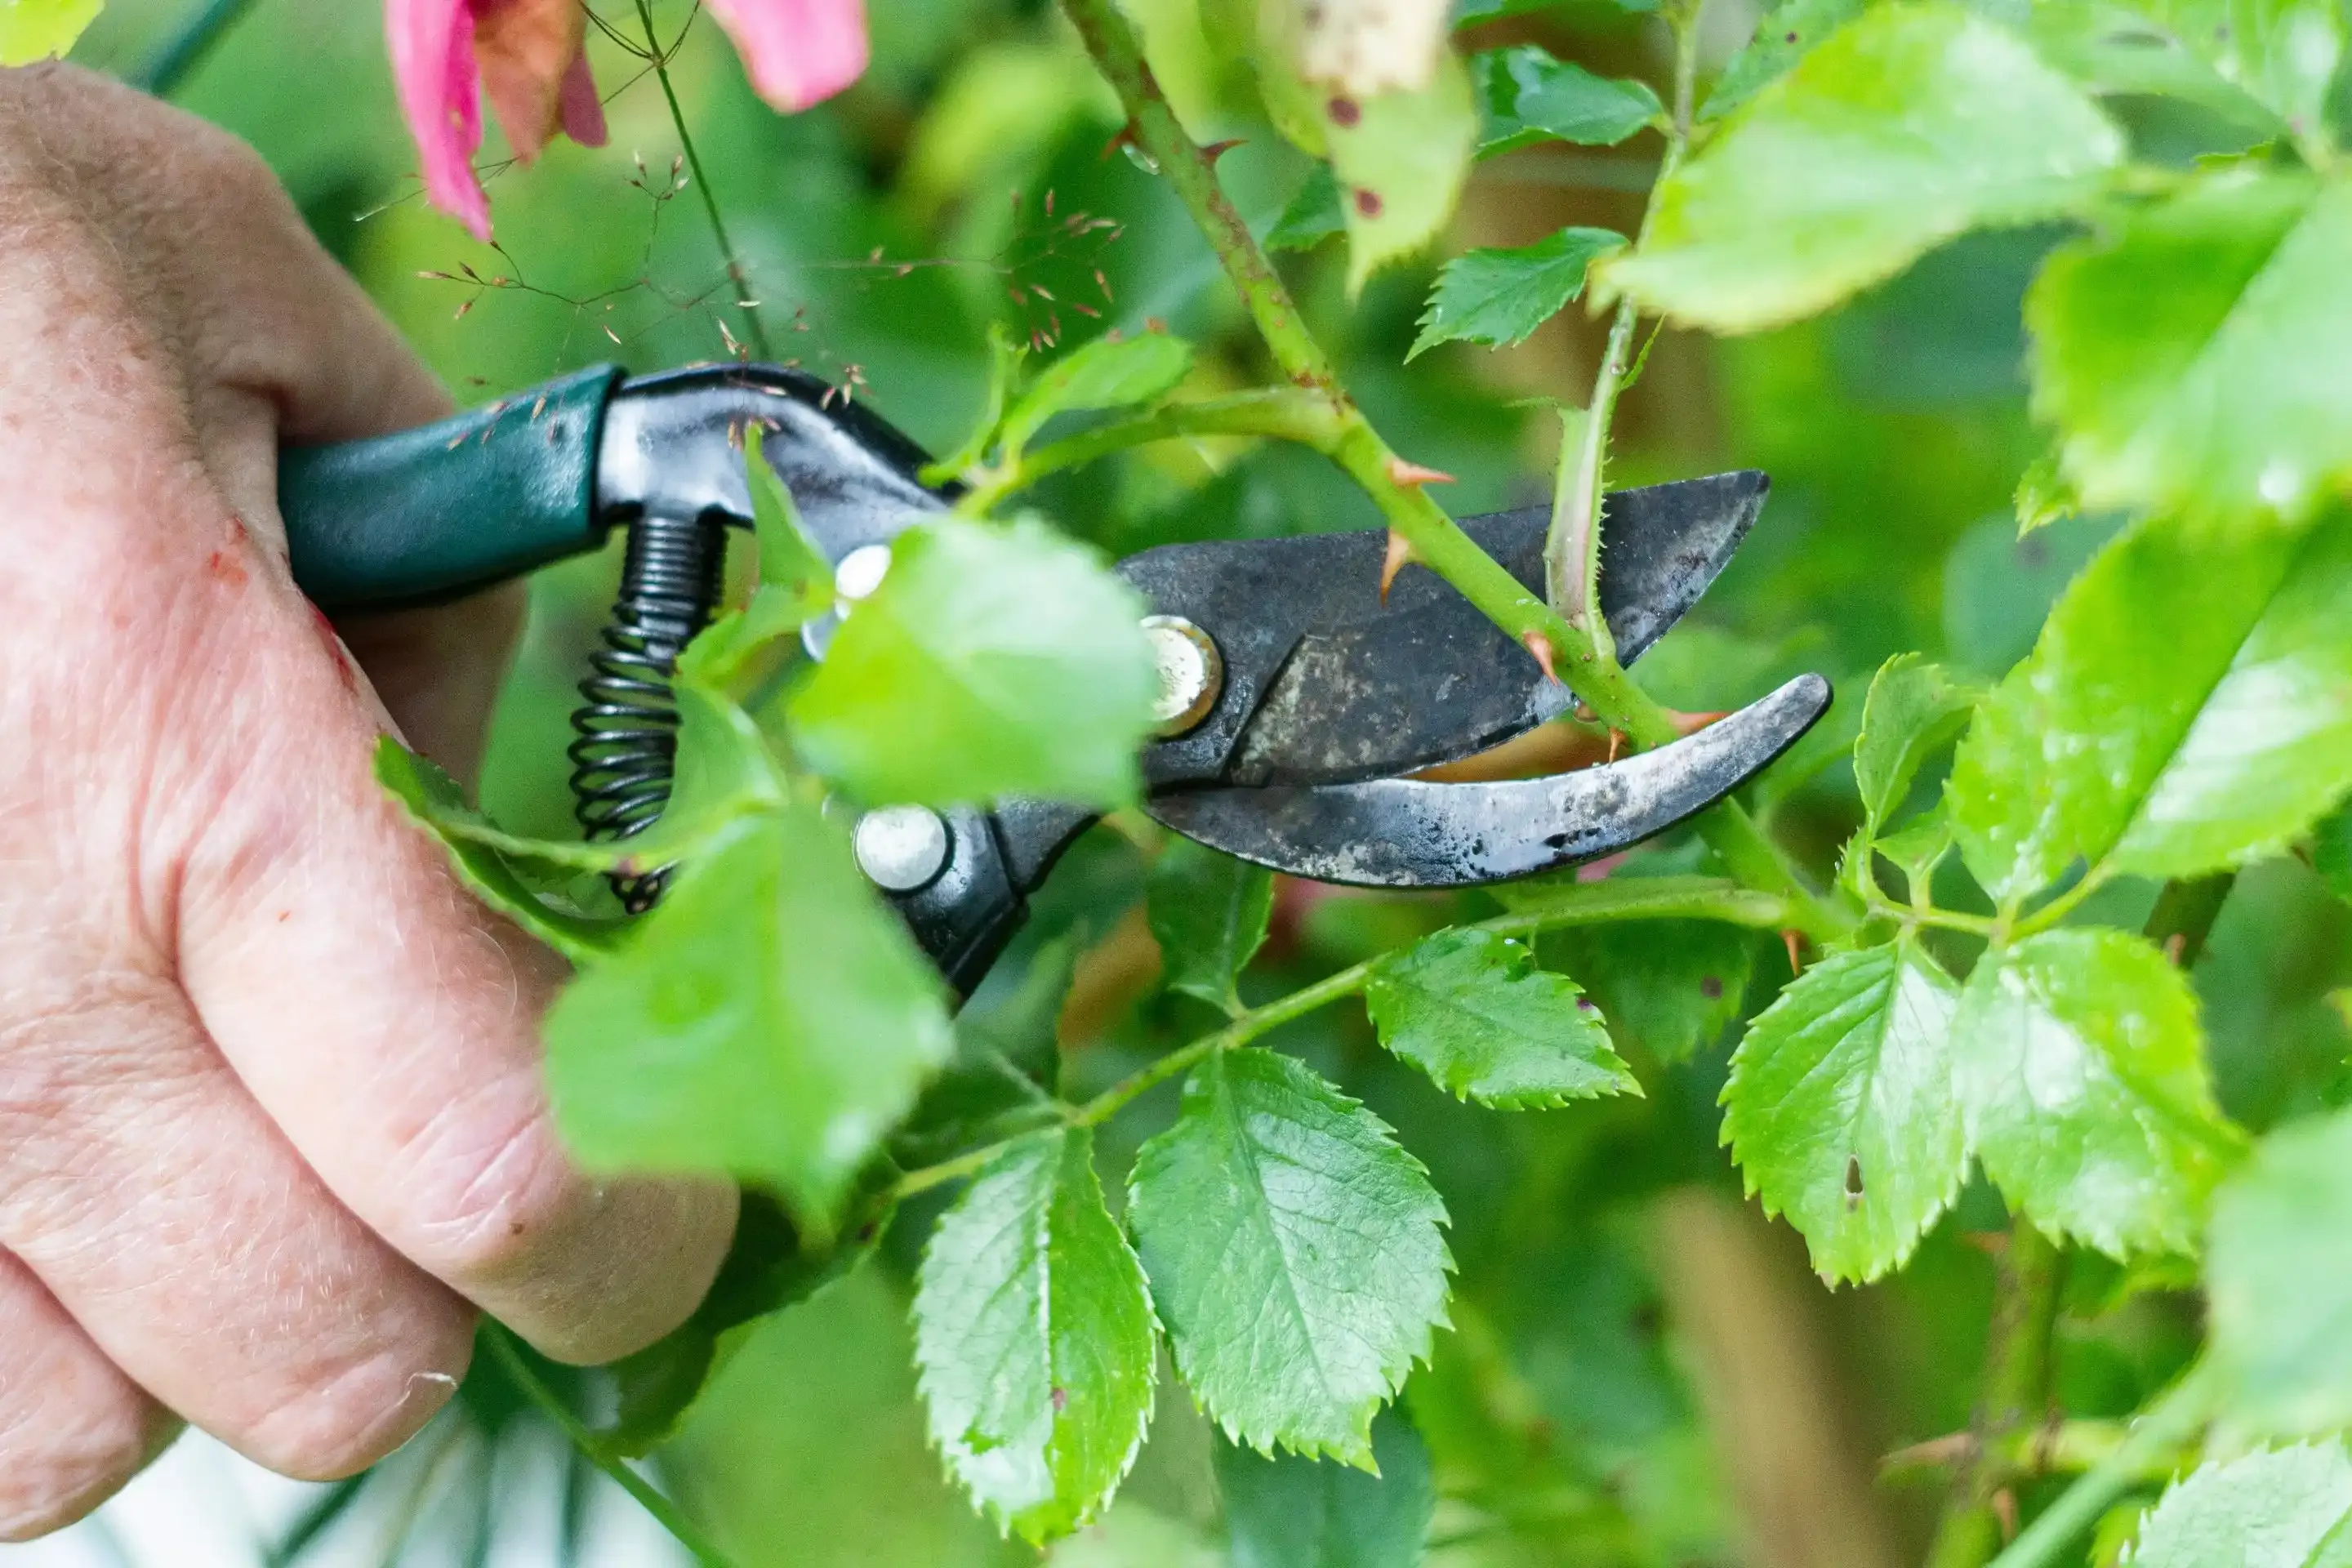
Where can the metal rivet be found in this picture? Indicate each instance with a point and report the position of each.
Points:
(1192, 672)
(861, 570)
(901, 847)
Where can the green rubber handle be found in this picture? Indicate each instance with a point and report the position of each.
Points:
(437, 512)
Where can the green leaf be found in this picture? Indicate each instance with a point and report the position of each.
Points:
(1401, 160)
(1840, 1108)
(1295, 1252)
(437, 804)
(2115, 48)
(724, 773)
(1912, 125)
(1313, 214)
(795, 583)
(991, 661)
(1528, 97)
(2331, 851)
(1498, 297)
(1670, 988)
(1035, 1338)
(1783, 36)
(770, 1019)
(1471, 1009)
(2283, 54)
(2189, 708)
(2278, 1275)
(1004, 360)
(2080, 1071)
(34, 30)
(2183, 351)
(1293, 1513)
(1108, 373)
(2044, 495)
(1913, 709)
(771, 1266)
(2283, 1508)
(1209, 912)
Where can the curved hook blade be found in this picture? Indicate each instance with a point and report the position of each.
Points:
(1407, 833)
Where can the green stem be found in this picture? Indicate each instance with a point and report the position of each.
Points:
(1436, 540)
(186, 49)
(2168, 1426)
(2015, 1397)
(1572, 546)
(1282, 413)
(755, 331)
(1636, 898)
(2061, 1447)
(511, 1360)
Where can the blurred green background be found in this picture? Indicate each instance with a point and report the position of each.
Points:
(1641, 1371)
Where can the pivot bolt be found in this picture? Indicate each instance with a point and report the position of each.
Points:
(900, 847)
(861, 570)
(1192, 673)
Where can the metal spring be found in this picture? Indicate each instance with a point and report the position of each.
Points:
(626, 752)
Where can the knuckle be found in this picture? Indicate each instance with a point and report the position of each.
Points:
(72, 1432)
(491, 1185)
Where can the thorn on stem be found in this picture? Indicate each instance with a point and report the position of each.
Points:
(1216, 150)
(1399, 555)
(1403, 473)
(1538, 644)
(1793, 938)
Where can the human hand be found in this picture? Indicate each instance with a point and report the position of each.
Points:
(271, 1119)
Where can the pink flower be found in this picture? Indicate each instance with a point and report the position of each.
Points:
(529, 55)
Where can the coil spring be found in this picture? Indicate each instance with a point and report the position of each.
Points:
(626, 752)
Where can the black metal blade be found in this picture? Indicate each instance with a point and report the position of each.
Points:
(1357, 690)
(1402, 833)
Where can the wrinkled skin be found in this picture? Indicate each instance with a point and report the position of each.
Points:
(272, 1120)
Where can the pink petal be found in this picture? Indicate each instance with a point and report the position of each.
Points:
(432, 65)
(584, 115)
(798, 52)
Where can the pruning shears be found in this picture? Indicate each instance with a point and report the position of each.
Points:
(1294, 697)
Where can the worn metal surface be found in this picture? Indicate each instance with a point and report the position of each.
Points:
(1404, 833)
(1325, 684)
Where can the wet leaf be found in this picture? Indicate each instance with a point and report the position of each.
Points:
(2181, 352)
(2283, 54)
(1471, 1009)
(1295, 1253)
(1935, 121)
(2283, 1508)
(1035, 1338)
(1840, 1109)
(1783, 36)
(2081, 1069)
(2278, 1274)
(2188, 708)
